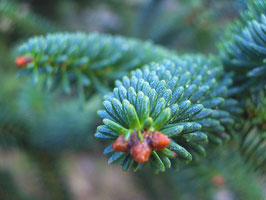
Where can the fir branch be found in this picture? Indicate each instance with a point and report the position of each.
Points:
(243, 51)
(184, 99)
(243, 48)
(81, 61)
(252, 143)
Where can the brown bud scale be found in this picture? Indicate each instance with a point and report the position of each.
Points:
(159, 141)
(141, 151)
(120, 145)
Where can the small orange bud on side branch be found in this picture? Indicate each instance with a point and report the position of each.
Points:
(22, 61)
(218, 180)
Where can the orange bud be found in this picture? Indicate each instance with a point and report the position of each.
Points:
(159, 141)
(218, 180)
(120, 145)
(141, 151)
(22, 61)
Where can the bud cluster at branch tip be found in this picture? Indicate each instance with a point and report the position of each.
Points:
(140, 149)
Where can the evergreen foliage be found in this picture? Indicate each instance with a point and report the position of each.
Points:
(243, 52)
(185, 99)
(84, 61)
(243, 49)
(166, 110)
(37, 119)
(252, 144)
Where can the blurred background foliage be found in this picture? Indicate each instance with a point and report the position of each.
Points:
(47, 149)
